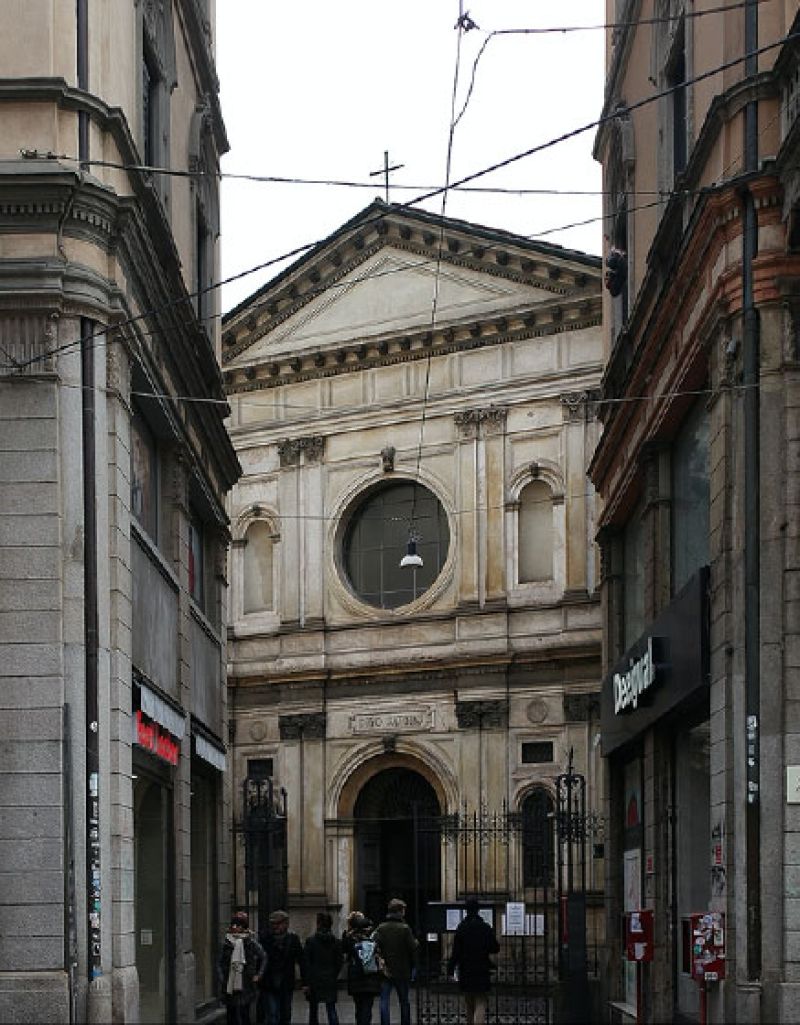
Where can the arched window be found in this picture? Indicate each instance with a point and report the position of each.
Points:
(538, 847)
(258, 573)
(535, 533)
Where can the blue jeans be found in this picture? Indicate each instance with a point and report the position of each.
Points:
(401, 986)
(278, 1006)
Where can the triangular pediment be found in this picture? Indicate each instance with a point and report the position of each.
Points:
(391, 292)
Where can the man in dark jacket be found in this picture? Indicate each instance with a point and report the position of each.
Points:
(473, 946)
(284, 955)
(323, 954)
(398, 951)
(240, 966)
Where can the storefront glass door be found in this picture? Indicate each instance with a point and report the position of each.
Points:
(152, 832)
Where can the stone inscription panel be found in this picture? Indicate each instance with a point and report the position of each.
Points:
(392, 721)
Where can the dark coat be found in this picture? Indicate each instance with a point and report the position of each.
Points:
(473, 945)
(323, 953)
(284, 954)
(397, 947)
(358, 983)
(254, 960)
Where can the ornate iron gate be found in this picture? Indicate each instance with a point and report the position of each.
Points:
(263, 827)
(528, 870)
(507, 860)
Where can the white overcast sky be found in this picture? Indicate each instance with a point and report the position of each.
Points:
(314, 89)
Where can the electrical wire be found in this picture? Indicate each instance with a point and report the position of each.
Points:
(21, 365)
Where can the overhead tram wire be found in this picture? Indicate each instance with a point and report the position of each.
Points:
(299, 250)
(461, 28)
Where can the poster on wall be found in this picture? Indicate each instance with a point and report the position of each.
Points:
(632, 880)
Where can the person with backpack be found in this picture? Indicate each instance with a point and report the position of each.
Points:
(323, 958)
(474, 944)
(363, 969)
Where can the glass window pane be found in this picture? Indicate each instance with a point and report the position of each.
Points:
(376, 539)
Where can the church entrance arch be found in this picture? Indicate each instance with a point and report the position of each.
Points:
(397, 854)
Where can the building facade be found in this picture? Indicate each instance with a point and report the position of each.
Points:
(697, 470)
(114, 463)
(412, 379)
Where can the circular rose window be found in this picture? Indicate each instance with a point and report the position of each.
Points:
(376, 538)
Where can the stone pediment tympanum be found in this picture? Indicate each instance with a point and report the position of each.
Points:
(375, 278)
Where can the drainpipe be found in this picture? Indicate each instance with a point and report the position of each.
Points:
(93, 899)
(93, 905)
(752, 540)
(82, 19)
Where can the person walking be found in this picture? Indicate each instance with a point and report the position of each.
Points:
(473, 945)
(363, 971)
(397, 949)
(240, 965)
(323, 962)
(284, 956)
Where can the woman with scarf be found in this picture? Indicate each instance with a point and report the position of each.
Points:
(240, 966)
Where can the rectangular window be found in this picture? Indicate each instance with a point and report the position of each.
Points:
(149, 111)
(196, 561)
(144, 476)
(259, 769)
(203, 303)
(633, 578)
(676, 81)
(537, 751)
(690, 497)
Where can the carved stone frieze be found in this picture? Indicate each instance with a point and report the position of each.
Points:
(580, 405)
(581, 707)
(290, 449)
(489, 420)
(473, 715)
(307, 726)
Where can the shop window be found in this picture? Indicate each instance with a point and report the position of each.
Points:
(204, 883)
(537, 752)
(538, 850)
(633, 578)
(258, 568)
(535, 533)
(690, 497)
(144, 476)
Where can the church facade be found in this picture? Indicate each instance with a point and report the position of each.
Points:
(413, 390)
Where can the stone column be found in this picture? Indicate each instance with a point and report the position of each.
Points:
(290, 510)
(467, 504)
(577, 408)
(304, 748)
(313, 531)
(494, 423)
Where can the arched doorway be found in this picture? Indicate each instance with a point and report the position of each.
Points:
(397, 843)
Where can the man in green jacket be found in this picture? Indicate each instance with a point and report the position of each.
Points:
(398, 952)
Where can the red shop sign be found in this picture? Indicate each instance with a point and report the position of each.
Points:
(156, 740)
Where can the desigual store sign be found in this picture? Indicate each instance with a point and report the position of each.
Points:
(666, 668)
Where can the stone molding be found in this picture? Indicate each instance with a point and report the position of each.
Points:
(289, 450)
(473, 715)
(307, 726)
